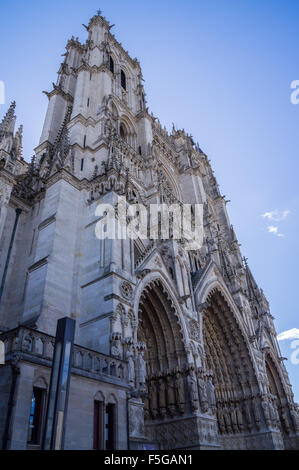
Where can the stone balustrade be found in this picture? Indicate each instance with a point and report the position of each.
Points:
(39, 347)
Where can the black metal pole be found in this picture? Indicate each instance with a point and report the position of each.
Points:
(54, 433)
(18, 213)
(15, 372)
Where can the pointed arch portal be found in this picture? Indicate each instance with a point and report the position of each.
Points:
(234, 378)
(165, 356)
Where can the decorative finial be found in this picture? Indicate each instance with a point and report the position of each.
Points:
(99, 12)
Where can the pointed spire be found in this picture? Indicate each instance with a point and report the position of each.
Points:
(8, 120)
(253, 289)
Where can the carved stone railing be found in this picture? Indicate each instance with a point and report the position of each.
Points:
(40, 347)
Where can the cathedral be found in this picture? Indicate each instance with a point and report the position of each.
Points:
(174, 348)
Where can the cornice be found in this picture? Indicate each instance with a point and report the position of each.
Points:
(89, 149)
(17, 202)
(89, 121)
(59, 91)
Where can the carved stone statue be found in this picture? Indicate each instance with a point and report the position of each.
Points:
(285, 420)
(202, 393)
(221, 423)
(170, 395)
(248, 416)
(272, 414)
(256, 413)
(265, 406)
(141, 370)
(211, 393)
(240, 419)
(192, 382)
(227, 420)
(180, 391)
(131, 365)
(233, 417)
(162, 397)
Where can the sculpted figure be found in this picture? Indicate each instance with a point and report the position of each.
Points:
(180, 391)
(276, 414)
(141, 370)
(192, 382)
(265, 406)
(162, 397)
(170, 395)
(248, 416)
(211, 393)
(233, 417)
(256, 413)
(131, 365)
(285, 421)
(227, 420)
(272, 414)
(240, 419)
(202, 393)
(220, 421)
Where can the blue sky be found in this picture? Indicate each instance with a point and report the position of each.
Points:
(220, 69)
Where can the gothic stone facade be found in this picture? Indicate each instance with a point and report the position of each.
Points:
(181, 343)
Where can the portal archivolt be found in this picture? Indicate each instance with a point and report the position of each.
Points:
(165, 354)
(236, 388)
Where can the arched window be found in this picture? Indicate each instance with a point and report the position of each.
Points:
(111, 64)
(123, 80)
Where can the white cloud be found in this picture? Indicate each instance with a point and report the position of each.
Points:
(276, 216)
(274, 230)
(289, 334)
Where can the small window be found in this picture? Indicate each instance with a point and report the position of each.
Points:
(88, 103)
(82, 164)
(111, 64)
(84, 141)
(123, 80)
(36, 416)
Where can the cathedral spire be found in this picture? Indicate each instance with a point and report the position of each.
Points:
(8, 121)
(253, 289)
